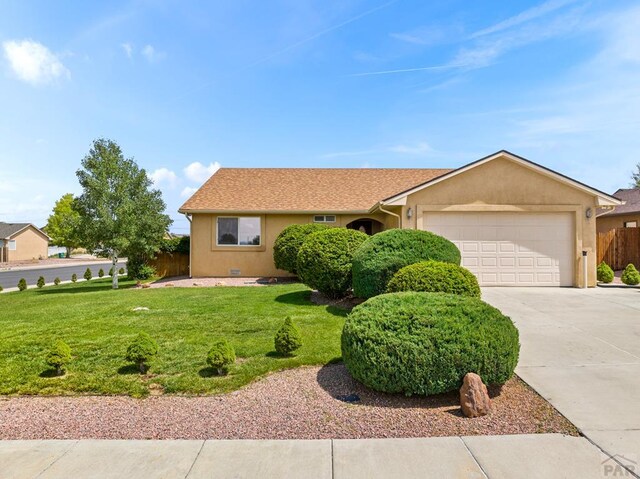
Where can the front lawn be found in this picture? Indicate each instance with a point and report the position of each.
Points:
(99, 323)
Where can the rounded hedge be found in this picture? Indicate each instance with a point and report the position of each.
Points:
(288, 242)
(630, 275)
(424, 343)
(58, 356)
(604, 273)
(142, 350)
(221, 355)
(435, 277)
(288, 338)
(324, 260)
(383, 254)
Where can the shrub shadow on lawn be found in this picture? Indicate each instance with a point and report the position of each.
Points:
(208, 372)
(303, 298)
(129, 369)
(72, 289)
(336, 381)
(50, 373)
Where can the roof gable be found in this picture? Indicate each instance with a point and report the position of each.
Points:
(8, 230)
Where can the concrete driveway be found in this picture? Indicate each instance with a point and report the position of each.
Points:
(581, 351)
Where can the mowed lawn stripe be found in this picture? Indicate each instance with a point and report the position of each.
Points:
(98, 323)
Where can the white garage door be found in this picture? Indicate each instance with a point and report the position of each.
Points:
(511, 249)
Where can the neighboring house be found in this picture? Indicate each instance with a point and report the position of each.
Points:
(623, 216)
(22, 241)
(515, 222)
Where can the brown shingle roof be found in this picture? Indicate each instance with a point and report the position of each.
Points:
(631, 197)
(303, 189)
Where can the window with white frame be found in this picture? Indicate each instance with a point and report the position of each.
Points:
(12, 245)
(324, 219)
(630, 224)
(238, 231)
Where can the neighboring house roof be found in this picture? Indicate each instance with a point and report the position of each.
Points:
(329, 190)
(631, 197)
(8, 230)
(319, 190)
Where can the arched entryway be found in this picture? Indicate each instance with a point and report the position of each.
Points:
(366, 225)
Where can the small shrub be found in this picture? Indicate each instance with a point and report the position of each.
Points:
(74, 278)
(22, 284)
(139, 269)
(424, 343)
(324, 260)
(100, 273)
(288, 338)
(111, 271)
(1, 288)
(288, 242)
(220, 356)
(121, 271)
(142, 350)
(40, 282)
(56, 281)
(87, 274)
(605, 273)
(383, 254)
(59, 356)
(435, 277)
(630, 275)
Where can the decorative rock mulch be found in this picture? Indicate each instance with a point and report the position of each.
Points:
(294, 404)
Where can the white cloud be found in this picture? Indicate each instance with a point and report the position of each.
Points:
(164, 176)
(199, 173)
(151, 54)
(33, 62)
(128, 49)
(417, 149)
(188, 191)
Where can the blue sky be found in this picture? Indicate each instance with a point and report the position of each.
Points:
(186, 86)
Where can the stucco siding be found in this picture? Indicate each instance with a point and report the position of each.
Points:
(503, 185)
(30, 244)
(606, 223)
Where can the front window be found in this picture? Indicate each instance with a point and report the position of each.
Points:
(324, 219)
(239, 231)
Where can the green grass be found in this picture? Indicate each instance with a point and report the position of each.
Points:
(98, 323)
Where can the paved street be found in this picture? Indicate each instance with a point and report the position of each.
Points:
(10, 278)
(581, 351)
(545, 456)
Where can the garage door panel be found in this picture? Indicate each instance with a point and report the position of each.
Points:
(511, 249)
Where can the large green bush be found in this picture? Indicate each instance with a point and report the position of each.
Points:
(435, 277)
(59, 356)
(424, 343)
(383, 254)
(288, 242)
(142, 350)
(288, 338)
(630, 275)
(220, 356)
(605, 273)
(325, 257)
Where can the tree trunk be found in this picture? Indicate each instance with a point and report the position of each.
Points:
(114, 277)
(68, 255)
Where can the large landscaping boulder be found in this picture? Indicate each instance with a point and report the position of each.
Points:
(383, 254)
(474, 397)
(425, 343)
(325, 257)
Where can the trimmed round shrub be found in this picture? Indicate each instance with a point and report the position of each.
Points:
(121, 271)
(56, 281)
(40, 282)
(288, 242)
(111, 271)
(87, 274)
(74, 278)
(100, 273)
(630, 275)
(435, 277)
(424, 343)
(142, 350)
(22, 284)
(385, 253)
(220, 356)
(288, 338)
(605, 273)
(324, 260)
(59, 356)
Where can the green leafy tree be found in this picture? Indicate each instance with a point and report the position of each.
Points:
(635, 176)
(120, 214)
(62, 225)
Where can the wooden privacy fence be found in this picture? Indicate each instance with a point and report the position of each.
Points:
(619, 247)
(171, 264)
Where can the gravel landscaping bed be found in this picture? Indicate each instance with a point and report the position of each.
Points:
(294, 404)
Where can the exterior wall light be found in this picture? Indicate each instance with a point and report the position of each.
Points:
(409, 213)
(588, 213)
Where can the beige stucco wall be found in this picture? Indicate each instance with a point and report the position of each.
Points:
(606, 223)
(30, 244)
(502, 185)
(207, 259)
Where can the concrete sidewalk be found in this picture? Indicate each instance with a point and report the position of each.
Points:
(528, 456)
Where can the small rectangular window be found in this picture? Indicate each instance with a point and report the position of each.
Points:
(324, 219)
(238, 231)
(630, 224)
(12, 245)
